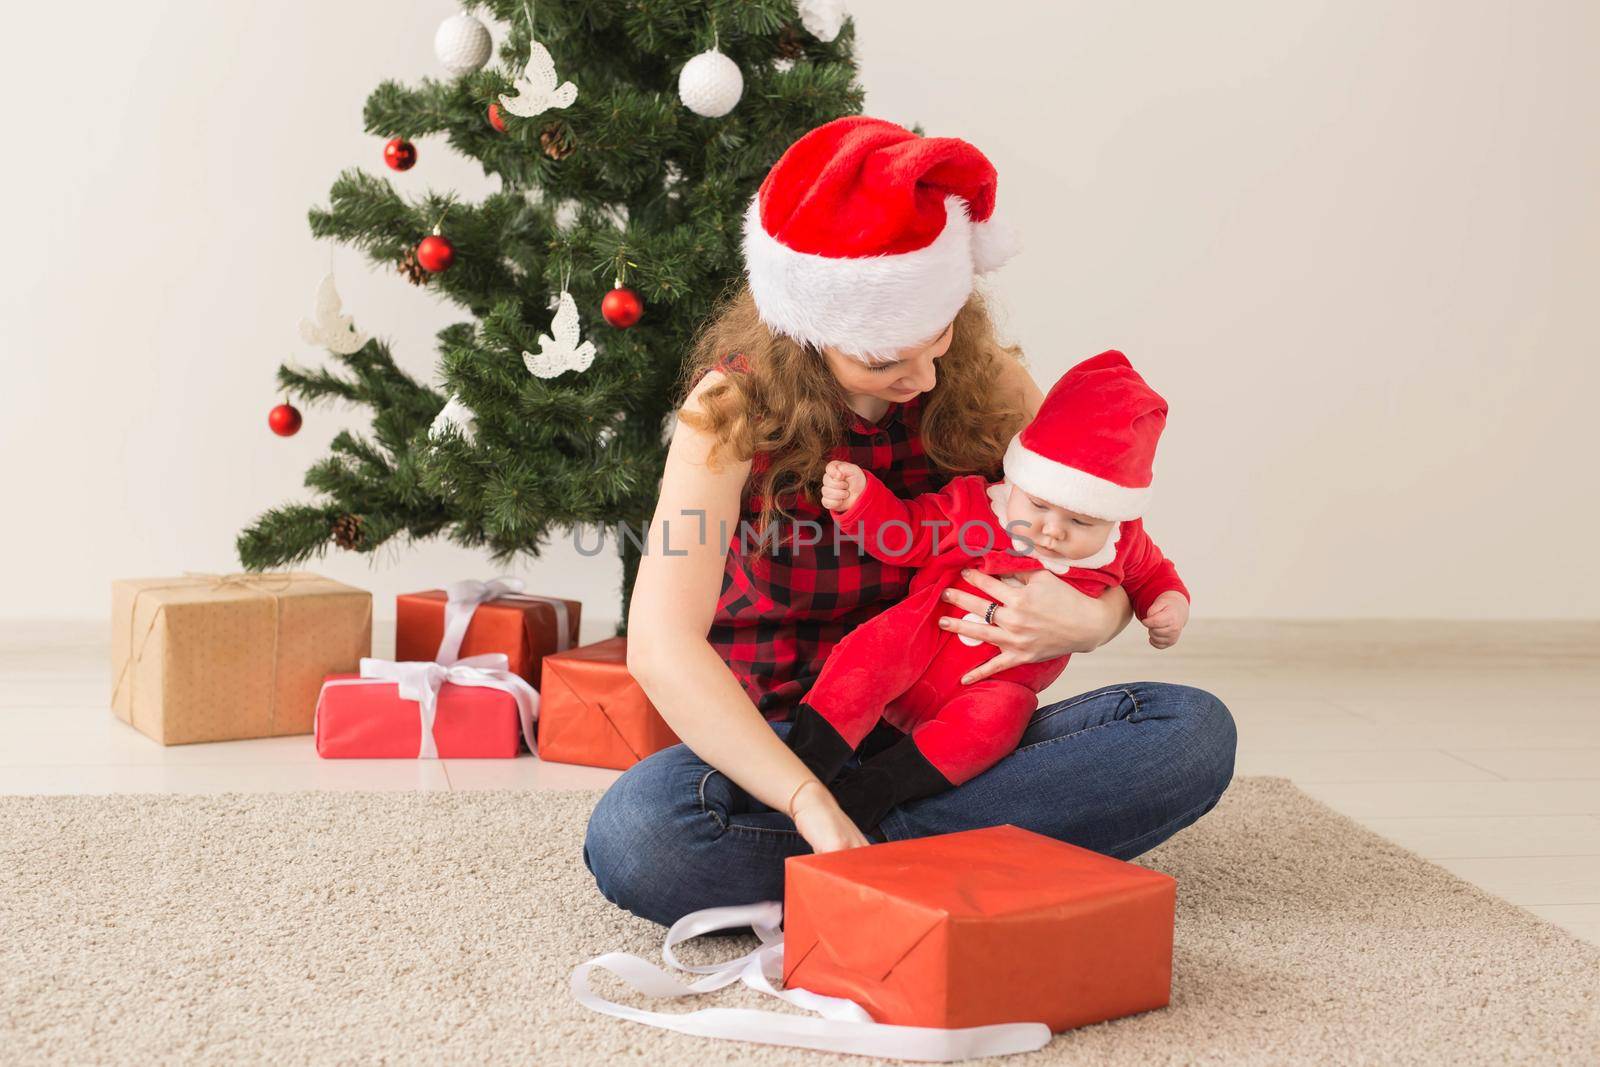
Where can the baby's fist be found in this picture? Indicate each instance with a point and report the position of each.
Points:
(842, 485)
(1167, 618)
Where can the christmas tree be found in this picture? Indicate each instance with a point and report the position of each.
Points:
(550, 413)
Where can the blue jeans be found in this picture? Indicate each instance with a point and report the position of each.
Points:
(1118, 770)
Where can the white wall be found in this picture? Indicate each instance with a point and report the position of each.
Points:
(1355, 243)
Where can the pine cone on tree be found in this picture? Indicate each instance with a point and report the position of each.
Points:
(791, 45)
(410, 269)
(556, 140)
(347, 532)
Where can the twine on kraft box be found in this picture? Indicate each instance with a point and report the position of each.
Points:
(271, 586)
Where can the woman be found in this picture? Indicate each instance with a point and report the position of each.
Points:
(858, 337)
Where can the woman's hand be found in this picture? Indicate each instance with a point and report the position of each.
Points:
(1040, 619)
(822, 822)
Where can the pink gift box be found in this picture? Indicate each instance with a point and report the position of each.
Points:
(370, 720)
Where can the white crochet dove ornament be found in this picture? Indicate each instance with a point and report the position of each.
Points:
(328, 328)
(561, 352)
(537, 91)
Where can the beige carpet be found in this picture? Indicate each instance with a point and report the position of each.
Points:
(433, 928)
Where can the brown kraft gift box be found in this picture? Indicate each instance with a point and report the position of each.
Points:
(227, 657)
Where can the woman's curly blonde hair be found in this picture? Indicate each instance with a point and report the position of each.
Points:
(787, 403)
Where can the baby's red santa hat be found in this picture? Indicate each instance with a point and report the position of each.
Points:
(866, 237)
(1092, 445)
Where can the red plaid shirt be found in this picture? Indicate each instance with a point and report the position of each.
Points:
(781, 612)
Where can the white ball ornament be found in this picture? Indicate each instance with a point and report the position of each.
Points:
(462, 44)
(710, 84)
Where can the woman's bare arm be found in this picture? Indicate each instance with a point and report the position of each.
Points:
(674, 600)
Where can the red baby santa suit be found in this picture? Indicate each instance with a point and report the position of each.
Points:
(1089, 450)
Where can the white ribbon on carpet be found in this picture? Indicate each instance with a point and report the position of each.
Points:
(843, 1026)
(461, 602)
(422, 681)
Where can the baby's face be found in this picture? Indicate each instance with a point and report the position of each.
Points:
(1055, 532)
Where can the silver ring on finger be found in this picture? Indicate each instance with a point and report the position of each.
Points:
(988, 614)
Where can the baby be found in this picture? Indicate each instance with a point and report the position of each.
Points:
(1077, 481)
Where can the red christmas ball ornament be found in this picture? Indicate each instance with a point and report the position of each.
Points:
(497, 118)
(400, 154)
(284, 420)
(622, 307)
(436, 253)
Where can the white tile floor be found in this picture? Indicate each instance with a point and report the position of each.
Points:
(1475, 747)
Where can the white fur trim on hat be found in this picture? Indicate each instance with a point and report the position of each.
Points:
(1070, 488)
(993, 243)
(868, 307)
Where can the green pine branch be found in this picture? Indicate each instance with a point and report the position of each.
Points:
(625, 181)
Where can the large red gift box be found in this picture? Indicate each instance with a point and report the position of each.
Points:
(592, 712)
(371, 720)
(524, 628)
(984, 926)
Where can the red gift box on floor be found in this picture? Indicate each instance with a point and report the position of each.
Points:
(592, 711)
(985, 926)
(503, 619)
(474, 710)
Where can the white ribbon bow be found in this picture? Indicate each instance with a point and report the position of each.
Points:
(461, 603)
(844, 1025)
(422, 681)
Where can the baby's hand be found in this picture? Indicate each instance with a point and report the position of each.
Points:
(1167, 618)
(842, 485)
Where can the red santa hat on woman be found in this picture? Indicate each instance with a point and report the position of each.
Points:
(865, 237)
(1092, 445)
